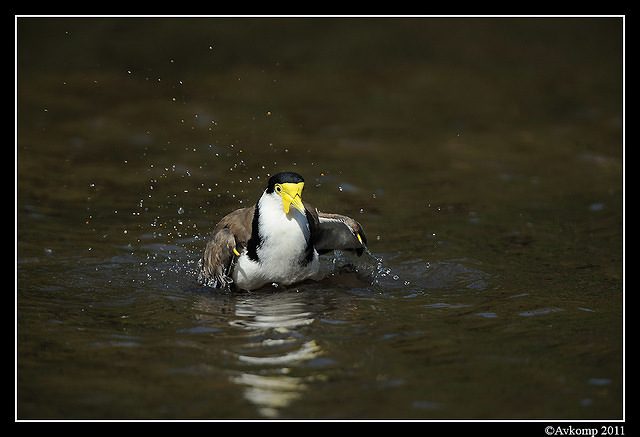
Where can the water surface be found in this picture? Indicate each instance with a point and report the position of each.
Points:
(483, 157)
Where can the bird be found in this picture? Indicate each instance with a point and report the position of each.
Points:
(277, 241)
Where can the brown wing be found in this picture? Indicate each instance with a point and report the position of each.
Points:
(231, 234)
(336, 232)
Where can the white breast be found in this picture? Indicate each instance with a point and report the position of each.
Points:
(284, 240)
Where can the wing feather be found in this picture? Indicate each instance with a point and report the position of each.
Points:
(338, 232)
(229, 238)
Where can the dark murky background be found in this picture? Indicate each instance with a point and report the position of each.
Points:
(484, 158)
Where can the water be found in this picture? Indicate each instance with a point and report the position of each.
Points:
(484, 159)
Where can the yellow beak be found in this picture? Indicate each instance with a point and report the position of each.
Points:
(292, 196)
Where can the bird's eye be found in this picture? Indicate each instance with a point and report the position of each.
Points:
(278, 189)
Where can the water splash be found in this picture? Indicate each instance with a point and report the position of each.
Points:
(368, 267)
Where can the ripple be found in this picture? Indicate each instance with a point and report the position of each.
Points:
(422, 276)
(199, 330)
(540, 312)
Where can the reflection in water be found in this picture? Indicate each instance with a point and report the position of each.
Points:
(272, 347)
(275, 347)
(277, 344)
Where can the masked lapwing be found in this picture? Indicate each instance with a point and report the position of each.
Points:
(277, 241)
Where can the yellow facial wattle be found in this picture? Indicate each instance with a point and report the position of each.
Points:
(291, 194)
